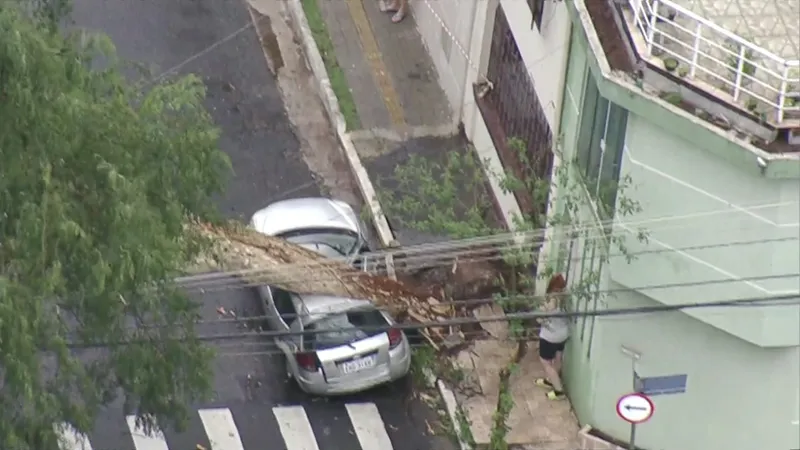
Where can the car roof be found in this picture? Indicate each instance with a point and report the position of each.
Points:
(317, 305)
(303, 213)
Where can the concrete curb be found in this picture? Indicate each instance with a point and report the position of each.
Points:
(451, 406)
(331, 105)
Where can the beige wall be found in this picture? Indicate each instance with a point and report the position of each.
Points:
(458, 37)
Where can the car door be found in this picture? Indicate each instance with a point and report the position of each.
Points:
(278, 307)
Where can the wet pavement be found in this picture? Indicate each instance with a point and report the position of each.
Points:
(215, 39)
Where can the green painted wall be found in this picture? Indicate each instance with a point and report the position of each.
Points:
(709, 221)
(577, 367)
(740, 396)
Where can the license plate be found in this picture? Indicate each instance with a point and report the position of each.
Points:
(358, 364)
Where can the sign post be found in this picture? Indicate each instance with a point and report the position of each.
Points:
(635, 408)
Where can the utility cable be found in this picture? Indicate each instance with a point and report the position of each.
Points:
(211, 281)
(762, 301)
(468, 246)
(533, 298)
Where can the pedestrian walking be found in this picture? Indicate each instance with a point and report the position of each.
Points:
(398, 7)
(553, 337)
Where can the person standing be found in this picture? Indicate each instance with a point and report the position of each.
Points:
(553, 337)
(398, 7)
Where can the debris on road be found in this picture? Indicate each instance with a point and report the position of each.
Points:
(424, 296)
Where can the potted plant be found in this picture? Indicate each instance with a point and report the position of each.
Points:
(670, 64)
(673, 98)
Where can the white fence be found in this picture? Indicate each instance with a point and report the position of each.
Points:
(711, 57)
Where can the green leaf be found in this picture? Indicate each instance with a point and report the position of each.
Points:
(97, 180)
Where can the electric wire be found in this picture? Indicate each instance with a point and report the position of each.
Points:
(515, 241)
(215, 281)
(535, 298)
(761, 301)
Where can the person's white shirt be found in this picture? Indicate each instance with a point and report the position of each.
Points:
(554, 330)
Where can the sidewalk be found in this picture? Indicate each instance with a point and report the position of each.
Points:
(392, 78)
(401, 106)
(535, 422)
(402, 109)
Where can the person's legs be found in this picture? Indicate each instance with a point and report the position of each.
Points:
(559, 358)
(557, 361)
(552, 376)
(398, 7)
(548, 352)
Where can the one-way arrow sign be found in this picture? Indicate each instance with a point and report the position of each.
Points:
(635, 408)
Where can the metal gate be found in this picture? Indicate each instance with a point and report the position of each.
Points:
(517, 112)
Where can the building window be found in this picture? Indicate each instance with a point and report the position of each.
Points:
(601, 143)
(512, 111)
(537, 11)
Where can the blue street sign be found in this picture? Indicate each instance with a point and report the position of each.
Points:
(663, 385)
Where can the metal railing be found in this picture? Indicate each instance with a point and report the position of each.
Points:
(764, 83)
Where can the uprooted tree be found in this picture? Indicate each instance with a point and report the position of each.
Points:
(106, 192)
(450, 196)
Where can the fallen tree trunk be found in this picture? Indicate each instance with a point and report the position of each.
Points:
(262, 259)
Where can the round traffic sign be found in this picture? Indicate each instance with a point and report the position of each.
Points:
(635, 408)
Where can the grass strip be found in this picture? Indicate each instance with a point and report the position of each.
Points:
(335, 73)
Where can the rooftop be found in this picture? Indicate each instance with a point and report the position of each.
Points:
(745, 52)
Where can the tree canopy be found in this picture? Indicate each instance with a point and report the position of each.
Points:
(97, 180)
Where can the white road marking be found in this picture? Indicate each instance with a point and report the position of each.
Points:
(71, 439)
(221, 429)
(143, 441)
(295, 428)
(369, 426)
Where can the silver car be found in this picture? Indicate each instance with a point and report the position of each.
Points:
(337, 345)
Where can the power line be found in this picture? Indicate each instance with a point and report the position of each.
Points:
(201, 53)
(508, 241)
(219, 280)
(500, 300)
(779, 300)
(763, 301)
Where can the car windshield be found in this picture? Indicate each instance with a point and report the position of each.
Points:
(336, 330)
(332, 243)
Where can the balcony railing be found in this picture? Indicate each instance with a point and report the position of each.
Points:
(711, 57)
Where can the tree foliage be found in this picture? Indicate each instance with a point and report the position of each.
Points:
(97, 180)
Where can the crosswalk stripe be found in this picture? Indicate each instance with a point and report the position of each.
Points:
(369, 426)
(144, 441)
(295, 428)
(221, 429)
(71, 439)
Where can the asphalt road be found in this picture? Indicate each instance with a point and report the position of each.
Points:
(214, 39)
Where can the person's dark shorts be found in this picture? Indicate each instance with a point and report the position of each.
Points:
(548, 350)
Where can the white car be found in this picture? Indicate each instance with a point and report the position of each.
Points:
(353, 346)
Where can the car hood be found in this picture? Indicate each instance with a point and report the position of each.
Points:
(304, 213)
